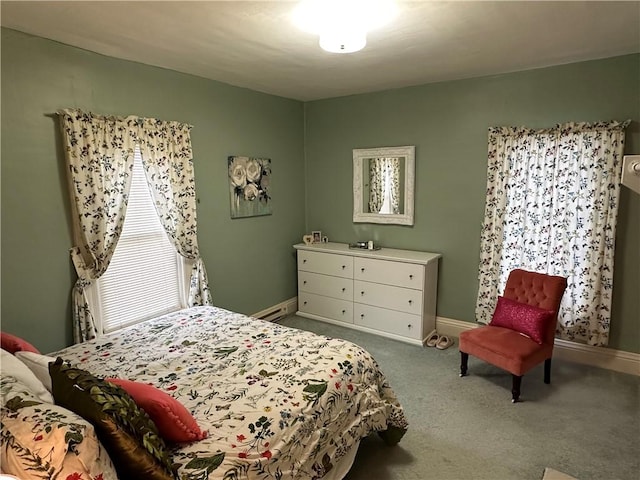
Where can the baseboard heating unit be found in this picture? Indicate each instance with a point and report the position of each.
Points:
(276, 312)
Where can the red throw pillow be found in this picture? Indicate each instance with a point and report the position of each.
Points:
(173, 420)
(527, 319)
(13, 344)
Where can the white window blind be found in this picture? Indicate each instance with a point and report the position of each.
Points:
(144, 278)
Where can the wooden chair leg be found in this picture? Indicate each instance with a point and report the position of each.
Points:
(515, 389)
(547, 371)
(464, 359)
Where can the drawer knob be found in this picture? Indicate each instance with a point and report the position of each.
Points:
(362, 269)
(344, 266)
(304, 261)
(409, 326)
(410, 277)
(362, 315)
(410, 302)
(343, 289)
(304, 282)
(361, 293)
(305, 302)
(344, 311)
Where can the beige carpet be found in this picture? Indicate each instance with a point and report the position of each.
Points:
(551, 474)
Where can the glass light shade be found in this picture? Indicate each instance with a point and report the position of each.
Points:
(343, 24)
(343, 42)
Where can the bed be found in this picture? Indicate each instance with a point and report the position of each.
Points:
(276, 402)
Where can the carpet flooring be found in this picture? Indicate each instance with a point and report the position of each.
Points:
(586, 423)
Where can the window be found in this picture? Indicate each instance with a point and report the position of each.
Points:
(98, 164)
(552, 202)
(146, 276)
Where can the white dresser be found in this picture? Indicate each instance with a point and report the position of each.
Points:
(387, 292)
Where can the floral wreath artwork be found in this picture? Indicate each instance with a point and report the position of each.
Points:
(249, 179)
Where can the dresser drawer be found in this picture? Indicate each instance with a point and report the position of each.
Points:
(409, 275)
(390, 321)
(333, 308)
(387, 296)
(325, 263)
(326, 285)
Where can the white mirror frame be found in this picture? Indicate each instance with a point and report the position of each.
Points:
(359, 156)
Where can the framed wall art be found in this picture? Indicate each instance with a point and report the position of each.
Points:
(249, 186)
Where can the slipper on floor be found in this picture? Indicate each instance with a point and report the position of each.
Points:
(432, 339)
(444, 342)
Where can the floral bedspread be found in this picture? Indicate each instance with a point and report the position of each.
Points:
(278, 403)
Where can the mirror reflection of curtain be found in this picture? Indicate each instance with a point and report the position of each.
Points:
(384, 176)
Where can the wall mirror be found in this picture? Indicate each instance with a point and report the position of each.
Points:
(383, 182)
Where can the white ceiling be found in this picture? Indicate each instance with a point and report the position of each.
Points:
(253, 44)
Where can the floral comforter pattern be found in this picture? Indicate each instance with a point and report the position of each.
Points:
(278, 403)
(43, 441)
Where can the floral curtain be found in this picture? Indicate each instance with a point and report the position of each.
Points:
(384, 181)
(552, 202)
(166, 153)
(99, 152)
(100, 161)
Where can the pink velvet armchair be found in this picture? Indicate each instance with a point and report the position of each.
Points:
(508, 348)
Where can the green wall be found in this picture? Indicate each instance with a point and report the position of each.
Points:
(250, 261)
(448, 122)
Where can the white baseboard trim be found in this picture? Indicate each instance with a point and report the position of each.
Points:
(618, 360)
(278, 311)
(451, 327)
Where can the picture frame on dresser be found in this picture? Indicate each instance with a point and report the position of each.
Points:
(388, 292)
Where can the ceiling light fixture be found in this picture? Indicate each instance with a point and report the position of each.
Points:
(343, 24)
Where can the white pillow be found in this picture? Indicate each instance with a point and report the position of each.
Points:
(39, 365)
(10, 366)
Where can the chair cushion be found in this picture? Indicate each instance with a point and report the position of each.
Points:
(505, 348)
(527, 319)
(537, 289)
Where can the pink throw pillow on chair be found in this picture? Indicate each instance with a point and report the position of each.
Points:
(173, 420)
(521, 317)
(13, 344)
